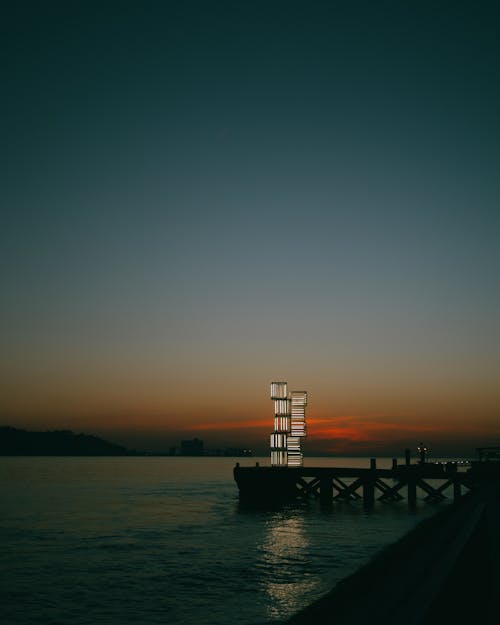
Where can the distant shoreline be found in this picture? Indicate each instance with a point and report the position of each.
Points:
(16, 442)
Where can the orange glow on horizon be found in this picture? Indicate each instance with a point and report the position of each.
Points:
(362, 429)
(354, 429)
(341, 432)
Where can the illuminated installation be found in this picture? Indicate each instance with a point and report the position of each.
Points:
(289, 425)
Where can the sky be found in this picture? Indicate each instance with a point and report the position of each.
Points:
(199, 198)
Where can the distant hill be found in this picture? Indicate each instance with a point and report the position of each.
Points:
(14, 442)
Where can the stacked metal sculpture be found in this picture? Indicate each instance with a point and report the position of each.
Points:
(289, 425)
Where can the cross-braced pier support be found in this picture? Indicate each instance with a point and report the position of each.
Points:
(271, 484)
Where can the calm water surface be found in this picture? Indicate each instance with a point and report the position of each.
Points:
(162, 540)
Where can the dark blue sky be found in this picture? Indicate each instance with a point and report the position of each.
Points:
(201, 197)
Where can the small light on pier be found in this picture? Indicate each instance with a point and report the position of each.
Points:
(422, 452)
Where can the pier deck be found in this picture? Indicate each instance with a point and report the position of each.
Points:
(261, 485)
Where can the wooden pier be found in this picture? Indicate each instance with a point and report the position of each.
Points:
(263, 485)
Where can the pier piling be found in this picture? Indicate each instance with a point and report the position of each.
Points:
(326, 491)
(369, 492)
(412, 493)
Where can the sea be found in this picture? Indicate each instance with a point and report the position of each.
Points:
(163, 540)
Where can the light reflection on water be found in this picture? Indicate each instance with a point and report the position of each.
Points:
(284, 551)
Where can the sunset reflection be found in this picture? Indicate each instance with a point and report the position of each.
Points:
(284, 559)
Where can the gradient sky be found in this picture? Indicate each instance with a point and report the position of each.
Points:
(201, 197)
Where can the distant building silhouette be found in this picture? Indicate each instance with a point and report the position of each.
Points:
(193, 447)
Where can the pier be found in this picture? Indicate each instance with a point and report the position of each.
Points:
(261, 485)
